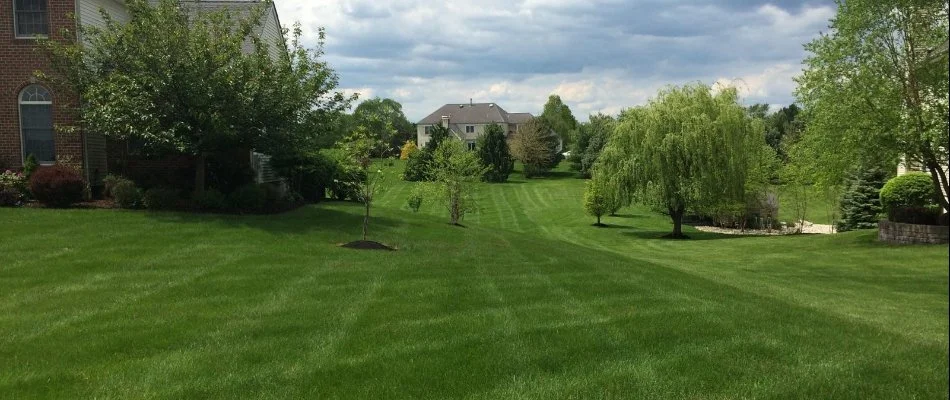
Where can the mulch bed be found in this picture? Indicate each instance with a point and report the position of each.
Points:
(367, 245)
(87, 205)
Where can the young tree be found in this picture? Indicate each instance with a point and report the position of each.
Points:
(688, 149)
(876, 88)
(595, 200)
(494, 154)
(535, 146)
(454, 169)
(181, 80)
(358, 149)
(559, 118)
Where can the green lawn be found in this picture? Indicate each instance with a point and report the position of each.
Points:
(819, 209)
(527, 301)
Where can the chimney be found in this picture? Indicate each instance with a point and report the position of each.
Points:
(470, 102)
(445, 121)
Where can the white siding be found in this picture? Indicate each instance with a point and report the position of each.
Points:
(271, 33)
(89, 11)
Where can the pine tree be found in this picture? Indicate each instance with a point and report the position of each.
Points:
(494, 154)
(861, 204)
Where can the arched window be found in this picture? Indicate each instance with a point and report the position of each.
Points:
(30, 18)
(36, 124)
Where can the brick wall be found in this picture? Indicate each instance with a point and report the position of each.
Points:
(18, 59)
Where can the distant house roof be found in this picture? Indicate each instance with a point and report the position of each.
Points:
(519, 118)
(477, 113)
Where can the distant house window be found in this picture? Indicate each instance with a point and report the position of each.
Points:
(36, 124)
(469, 128)
(428, 129)
(471, 145)
(30, 18)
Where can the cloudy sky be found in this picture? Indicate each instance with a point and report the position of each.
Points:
(598, 55)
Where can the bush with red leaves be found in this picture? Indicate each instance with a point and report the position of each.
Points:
(57, 186)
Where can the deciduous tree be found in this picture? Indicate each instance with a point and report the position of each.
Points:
(559, 118)
(384, 119)
(454, 170)
(875, 87)
(180, 80)
(689, 149)
(535, 146)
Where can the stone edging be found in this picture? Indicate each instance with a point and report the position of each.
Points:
(898, 233)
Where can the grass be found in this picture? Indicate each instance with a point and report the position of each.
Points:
(819, 209)
(527, 301)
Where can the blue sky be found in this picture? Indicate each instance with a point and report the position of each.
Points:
(598, 55)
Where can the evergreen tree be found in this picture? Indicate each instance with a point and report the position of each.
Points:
(861, 204)
(494, 154)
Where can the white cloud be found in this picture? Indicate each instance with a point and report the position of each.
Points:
(598, 55)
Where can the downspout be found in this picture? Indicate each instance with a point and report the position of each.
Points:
(82, 130)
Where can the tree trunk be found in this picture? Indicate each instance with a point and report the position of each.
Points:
(366, 220)
(677, 215)
(200, 173)
(598, 220)
(939, 178)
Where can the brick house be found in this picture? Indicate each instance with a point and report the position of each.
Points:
(30, 110)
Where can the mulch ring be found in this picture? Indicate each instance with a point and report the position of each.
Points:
(367, 245)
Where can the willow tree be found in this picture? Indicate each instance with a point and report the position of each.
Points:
(875, 89)
(690, 149)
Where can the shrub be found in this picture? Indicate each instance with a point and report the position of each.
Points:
(29, 166)
(910, 199)
(861, 203)
(228, 172)
(309, 174)
(209, 200)
(407, 149)
(109, 182)
(247, 198)
(415, 199)
(346, 178)
(57, 186)
(125, 193)
(160, 198)
(10, 197)
(417, 163)
(13, 189)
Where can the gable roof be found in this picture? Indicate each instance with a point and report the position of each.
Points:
(477, 113)
(519, 118)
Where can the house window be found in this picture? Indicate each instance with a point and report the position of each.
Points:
(469, 128)
(36, 124)
(471, 145)
(428, 129)
(30, 18)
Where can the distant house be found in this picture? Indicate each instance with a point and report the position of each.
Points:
(29, 108)
(468, 121)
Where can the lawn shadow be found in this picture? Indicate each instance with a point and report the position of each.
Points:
(629, 216)
(691, 236)
(305, 219)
